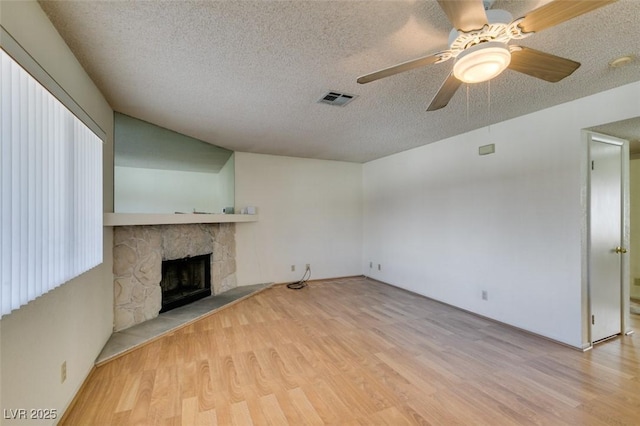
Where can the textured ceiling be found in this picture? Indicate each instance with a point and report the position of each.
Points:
(247, 75)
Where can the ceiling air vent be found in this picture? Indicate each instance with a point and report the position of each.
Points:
(338, 99)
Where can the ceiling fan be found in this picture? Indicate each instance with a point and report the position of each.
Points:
(479, 45)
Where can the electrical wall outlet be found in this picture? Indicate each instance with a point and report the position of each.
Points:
(293, 268)
(379, 267)
(63, 372)
(370, 265)
(485, 295)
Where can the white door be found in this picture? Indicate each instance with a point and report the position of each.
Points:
(605, 274)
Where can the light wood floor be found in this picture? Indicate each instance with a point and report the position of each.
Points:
(354, 351)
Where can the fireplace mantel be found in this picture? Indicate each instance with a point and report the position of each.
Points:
(129, 219)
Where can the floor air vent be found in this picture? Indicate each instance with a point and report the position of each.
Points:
(335, 98)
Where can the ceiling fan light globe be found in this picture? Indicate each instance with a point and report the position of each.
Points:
(482, 62)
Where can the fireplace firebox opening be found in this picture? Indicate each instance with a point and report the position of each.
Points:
(185, 280)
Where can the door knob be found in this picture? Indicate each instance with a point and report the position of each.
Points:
(621, 250)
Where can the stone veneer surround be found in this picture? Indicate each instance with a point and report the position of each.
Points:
(138, 253)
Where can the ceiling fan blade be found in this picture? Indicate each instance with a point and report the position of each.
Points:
(445, 93)
(396, 69)
(542, 65)
(465, 15)
(557, 12)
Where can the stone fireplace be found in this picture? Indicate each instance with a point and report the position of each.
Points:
(138, 254)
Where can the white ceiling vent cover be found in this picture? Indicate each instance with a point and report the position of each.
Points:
(338, 99)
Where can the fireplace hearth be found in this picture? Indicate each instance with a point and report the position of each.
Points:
(185, 280)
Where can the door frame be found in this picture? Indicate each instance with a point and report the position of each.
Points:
(625, 240)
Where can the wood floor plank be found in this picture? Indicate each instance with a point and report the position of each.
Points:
(205, 388)
(354, 351)
(162, 397)
(187, 375)
(189, 412)
(306, 411)
(140, 411)
(272, 410)
(127, 396)
(390, 416)
(254, 406)
(408, 373)
(329, 406)
(240, 414)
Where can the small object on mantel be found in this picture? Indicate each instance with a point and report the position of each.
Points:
(197, 212)
(249, 210)
(227, 210)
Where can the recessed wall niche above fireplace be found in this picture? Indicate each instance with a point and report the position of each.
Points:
(185, 280)
(157, 170)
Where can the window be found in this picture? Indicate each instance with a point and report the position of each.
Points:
(50, 190)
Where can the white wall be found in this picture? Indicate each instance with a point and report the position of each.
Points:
(226, 183)
(74, 321)
(447, 223)
(166, 191)
(634, 177)
(310, 212)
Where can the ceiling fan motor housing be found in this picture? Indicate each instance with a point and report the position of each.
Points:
(482, 62)
(483, 53)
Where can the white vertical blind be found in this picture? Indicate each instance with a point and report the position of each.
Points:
(51, 190)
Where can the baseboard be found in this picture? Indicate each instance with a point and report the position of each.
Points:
(320, 279)
(587, 347)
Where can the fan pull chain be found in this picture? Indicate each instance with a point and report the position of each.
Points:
(467, 86)
(489, 100)
(489, 105)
